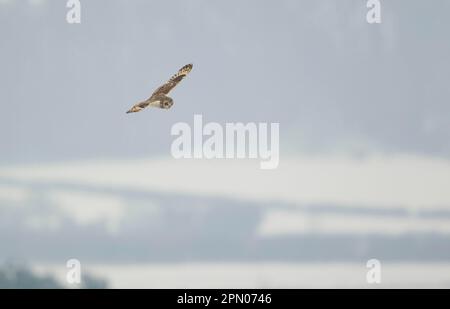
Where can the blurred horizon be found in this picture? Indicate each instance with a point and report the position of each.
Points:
(364, 167)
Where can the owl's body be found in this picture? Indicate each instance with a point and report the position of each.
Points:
(159, 98)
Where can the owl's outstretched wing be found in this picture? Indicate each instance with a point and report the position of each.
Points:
(172, 82)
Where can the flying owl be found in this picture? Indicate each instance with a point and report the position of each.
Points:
(159, 98)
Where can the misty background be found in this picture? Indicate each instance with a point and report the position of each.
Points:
(364, 154)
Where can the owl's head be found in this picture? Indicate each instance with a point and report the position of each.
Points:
(166, 103)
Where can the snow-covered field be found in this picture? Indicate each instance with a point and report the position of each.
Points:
(264, 275)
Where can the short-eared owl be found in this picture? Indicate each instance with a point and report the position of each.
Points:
(159, 98)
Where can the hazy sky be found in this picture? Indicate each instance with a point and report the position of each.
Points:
(333, 81)
(364, 120)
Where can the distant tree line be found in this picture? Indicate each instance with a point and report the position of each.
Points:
(14, 276)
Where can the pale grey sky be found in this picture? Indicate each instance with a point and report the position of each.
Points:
(334, 82)
(79, 177)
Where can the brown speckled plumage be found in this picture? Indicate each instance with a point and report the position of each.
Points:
(159, 98)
